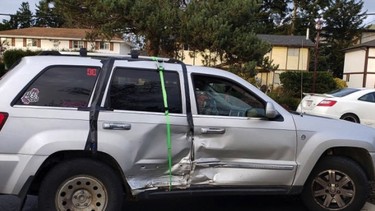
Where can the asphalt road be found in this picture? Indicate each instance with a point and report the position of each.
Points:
(217, 203)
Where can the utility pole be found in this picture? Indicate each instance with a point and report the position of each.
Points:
(318, 27)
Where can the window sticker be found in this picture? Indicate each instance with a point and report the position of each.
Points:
(91, 72)
(31, 96)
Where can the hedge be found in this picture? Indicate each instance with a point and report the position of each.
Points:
(10, 57)
(2, 69)
(292, 82)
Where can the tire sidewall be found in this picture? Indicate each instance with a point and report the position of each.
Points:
(80, 167)
(348, 167)
(351, 116)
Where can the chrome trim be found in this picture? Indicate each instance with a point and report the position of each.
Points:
(245, 165)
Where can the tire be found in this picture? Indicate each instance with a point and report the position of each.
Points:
(347, 192)
(80, 185)
(350, 118)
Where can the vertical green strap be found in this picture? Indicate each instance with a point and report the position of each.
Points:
(168, 122)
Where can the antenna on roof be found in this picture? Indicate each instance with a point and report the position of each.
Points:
(307, 38)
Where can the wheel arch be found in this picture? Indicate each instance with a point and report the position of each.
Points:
(359, 155)
(61, 156)
(353, 114)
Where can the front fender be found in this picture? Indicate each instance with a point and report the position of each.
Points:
(317, 135)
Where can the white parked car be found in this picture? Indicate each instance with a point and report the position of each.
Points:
(351, 104)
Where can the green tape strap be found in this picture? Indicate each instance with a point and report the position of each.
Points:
(167, 118)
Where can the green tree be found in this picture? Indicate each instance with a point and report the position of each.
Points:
(225, 28)
(273, 16)
(159, 22)
(343, 22)
(24, 16)
(22, 19)
(105, 17)
(46, 15)
(5, 25)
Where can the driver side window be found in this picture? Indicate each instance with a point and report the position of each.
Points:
(217, 96)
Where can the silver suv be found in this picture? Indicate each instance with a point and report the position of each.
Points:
(83, 133)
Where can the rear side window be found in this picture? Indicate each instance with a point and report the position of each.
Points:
(61, 86)
(140, 90)
(343, 92)
(370, 97)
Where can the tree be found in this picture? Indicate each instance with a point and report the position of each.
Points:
(24, 16)
(225, 28)
(343, 22)
(159, 22)
(273, 16)
(5, 25)
(22, 19)
(46, 15)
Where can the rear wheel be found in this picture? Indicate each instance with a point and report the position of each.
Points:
(350, 118)
(336, 183)
(81, 185)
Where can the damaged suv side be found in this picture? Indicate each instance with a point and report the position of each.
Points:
(83, 133)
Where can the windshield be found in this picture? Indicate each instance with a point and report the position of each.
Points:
(342, 92)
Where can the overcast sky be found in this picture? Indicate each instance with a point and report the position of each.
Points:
(11, 7)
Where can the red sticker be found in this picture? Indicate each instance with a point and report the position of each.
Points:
(91, 72)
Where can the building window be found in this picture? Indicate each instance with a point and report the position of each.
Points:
(56, 43)
(78, 44)
(293, 52)
(5, 41)
(32, 43)
(104, 46)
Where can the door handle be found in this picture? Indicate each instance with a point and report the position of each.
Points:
(116, 126)
(212, 130)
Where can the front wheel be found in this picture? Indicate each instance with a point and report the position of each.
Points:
(336, 183)
(81, 185)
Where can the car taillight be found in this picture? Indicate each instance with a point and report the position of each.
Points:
(3, 118)
(327, 103)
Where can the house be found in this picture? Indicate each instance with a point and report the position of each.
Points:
(359, 65)
(60, 39)
(367, 35)
(290, 53)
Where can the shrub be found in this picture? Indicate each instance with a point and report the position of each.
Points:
(340, 83)
(12, 56)
(292, 82)
(284, 98)
(2, 69)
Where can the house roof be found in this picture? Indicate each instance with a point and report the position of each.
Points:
(46, 32)
(370, 44)
(286, 40)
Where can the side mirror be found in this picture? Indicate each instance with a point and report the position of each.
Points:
(271, 112)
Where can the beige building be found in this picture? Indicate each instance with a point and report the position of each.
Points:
(291, 53)
(359, 65)
(60, 39)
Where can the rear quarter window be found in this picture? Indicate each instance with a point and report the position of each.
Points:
(60, 86)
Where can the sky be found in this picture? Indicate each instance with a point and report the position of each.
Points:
(11, 7)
